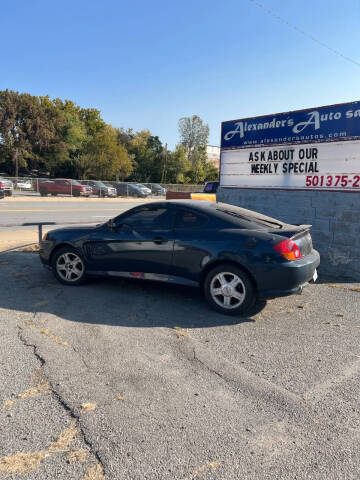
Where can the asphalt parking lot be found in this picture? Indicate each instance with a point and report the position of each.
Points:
(133, 380)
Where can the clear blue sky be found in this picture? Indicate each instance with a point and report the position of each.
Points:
(145, 64)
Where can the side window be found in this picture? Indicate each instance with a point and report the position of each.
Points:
(208, 188)
(188, 219)
(151, 219)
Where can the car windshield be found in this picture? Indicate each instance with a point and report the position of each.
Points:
(75, 182)
(249, 215)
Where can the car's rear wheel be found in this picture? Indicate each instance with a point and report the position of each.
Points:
(68, 266)
(229, 290)
(43, 192)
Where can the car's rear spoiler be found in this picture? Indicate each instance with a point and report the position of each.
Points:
(291, 231)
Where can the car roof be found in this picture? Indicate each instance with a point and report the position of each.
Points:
(219, 210)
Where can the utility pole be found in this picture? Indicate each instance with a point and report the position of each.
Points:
(163, 176)
(16, 165)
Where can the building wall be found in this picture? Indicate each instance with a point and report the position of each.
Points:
(335, 217)
(213, 155)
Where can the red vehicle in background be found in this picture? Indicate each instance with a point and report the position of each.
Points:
(63, 186)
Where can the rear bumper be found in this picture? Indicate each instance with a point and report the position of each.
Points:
(267, 294)
(288, 277)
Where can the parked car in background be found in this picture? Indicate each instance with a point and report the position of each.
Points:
(7, 186)
(63, 186)
(146, 191)
(157, 189)
(131, 190)
(100, 189)
(210, 187)
(2, 192)
(235, 255)
(24, 185)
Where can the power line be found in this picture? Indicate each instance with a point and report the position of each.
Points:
(305, 34)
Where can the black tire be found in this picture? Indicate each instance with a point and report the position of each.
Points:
(43, 192)
(54, 194)
(10, 193)
(76, 258)
(241, 296)
(76, 194)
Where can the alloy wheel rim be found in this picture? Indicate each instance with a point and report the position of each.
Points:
(70, 267)
(227, 290)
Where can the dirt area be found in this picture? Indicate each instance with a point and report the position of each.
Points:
(18, 238)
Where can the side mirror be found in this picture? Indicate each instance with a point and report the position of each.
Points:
(111, 224)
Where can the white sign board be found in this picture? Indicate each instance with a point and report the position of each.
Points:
(323, 166)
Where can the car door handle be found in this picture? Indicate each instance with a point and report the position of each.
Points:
(159, 240)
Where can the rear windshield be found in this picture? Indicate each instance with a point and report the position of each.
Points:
(240, 214)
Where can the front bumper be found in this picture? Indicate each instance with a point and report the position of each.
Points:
(288, 277)
(46, 247)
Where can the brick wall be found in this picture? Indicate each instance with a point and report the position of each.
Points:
(334, 216)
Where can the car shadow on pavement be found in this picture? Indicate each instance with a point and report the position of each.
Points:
(28, 287)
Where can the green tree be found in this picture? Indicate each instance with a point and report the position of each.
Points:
(194, 134)
(147, 151)
(13, 129)
(211, 172)
(29, 129)
(178, 167)
(107, 158)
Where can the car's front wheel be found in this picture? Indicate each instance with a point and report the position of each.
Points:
(229, 290)
(68, 266)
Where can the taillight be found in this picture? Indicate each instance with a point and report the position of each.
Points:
(1, 185)
(288, 249)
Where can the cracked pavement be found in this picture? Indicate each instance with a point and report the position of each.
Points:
(272, 395)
